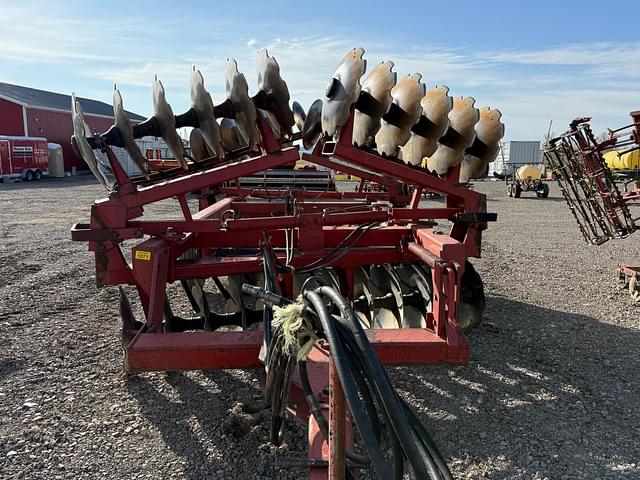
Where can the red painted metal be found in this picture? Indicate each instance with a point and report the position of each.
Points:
(209, 350)
(337, 425)
(11, 119)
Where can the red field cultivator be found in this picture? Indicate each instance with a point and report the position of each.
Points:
(343, 274)
(602, 211)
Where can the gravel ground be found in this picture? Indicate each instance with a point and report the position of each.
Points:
(551, 390)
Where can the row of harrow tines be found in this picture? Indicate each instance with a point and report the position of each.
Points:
(355, 261)
(400, 119)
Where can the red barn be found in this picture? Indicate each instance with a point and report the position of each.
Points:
(27, 112)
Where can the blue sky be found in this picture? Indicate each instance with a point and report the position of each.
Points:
(535, 61)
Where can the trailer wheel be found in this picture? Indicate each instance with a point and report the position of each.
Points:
(29, 175)
(510, 190)
(545, 191)
(517, 190)
(38, 175)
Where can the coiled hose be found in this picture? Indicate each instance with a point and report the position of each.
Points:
(380, 415)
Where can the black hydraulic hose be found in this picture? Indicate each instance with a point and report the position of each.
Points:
(321, 420)
(423, 467)
(428, 442)
(314, 405)
(341, 361)
(368, 394)
(316, 264)
(431, 453)
(365, 383)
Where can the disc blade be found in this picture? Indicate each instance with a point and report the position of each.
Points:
(312, 129)
(342, 92)
(460, 135)
(489, 132)
(203, 105)
(275, 88)
(125, 128)
(271, 120)
(378, 84)
(299, 116)
(406, 96)
(167, 123)
(198, 145)
(230, 135)
(436, 105)
(80, 140)
(245, 110)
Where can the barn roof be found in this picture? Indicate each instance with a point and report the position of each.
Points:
(34, 98)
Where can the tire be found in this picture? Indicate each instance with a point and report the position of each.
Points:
(38, 175)
(29, 175)
(545, 190)
(517, 190)
(510, 190)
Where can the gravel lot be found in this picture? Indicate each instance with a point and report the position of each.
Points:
(551, 391)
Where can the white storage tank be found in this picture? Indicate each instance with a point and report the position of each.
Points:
(55, 159)
(516, 153)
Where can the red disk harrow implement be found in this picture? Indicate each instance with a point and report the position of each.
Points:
(408, 284)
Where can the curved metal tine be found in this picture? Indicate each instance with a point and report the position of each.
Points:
(299, 116)
(385, 308)
(342, 92)
(275, 88)
(202, 103)
(378, 85)
(123, 124)
(167, 123)
(312, 129)
(489, 132)
(436, 105)
(245, 111)
(459, 136)
(80, 141)
(405, 111)
(231, 136)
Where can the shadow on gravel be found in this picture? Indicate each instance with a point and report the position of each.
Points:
(547, 394)
(9, 367)
(208, 454)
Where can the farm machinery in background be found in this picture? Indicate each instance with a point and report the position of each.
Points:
(527, 178)
(326, 286)
(602, 211)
